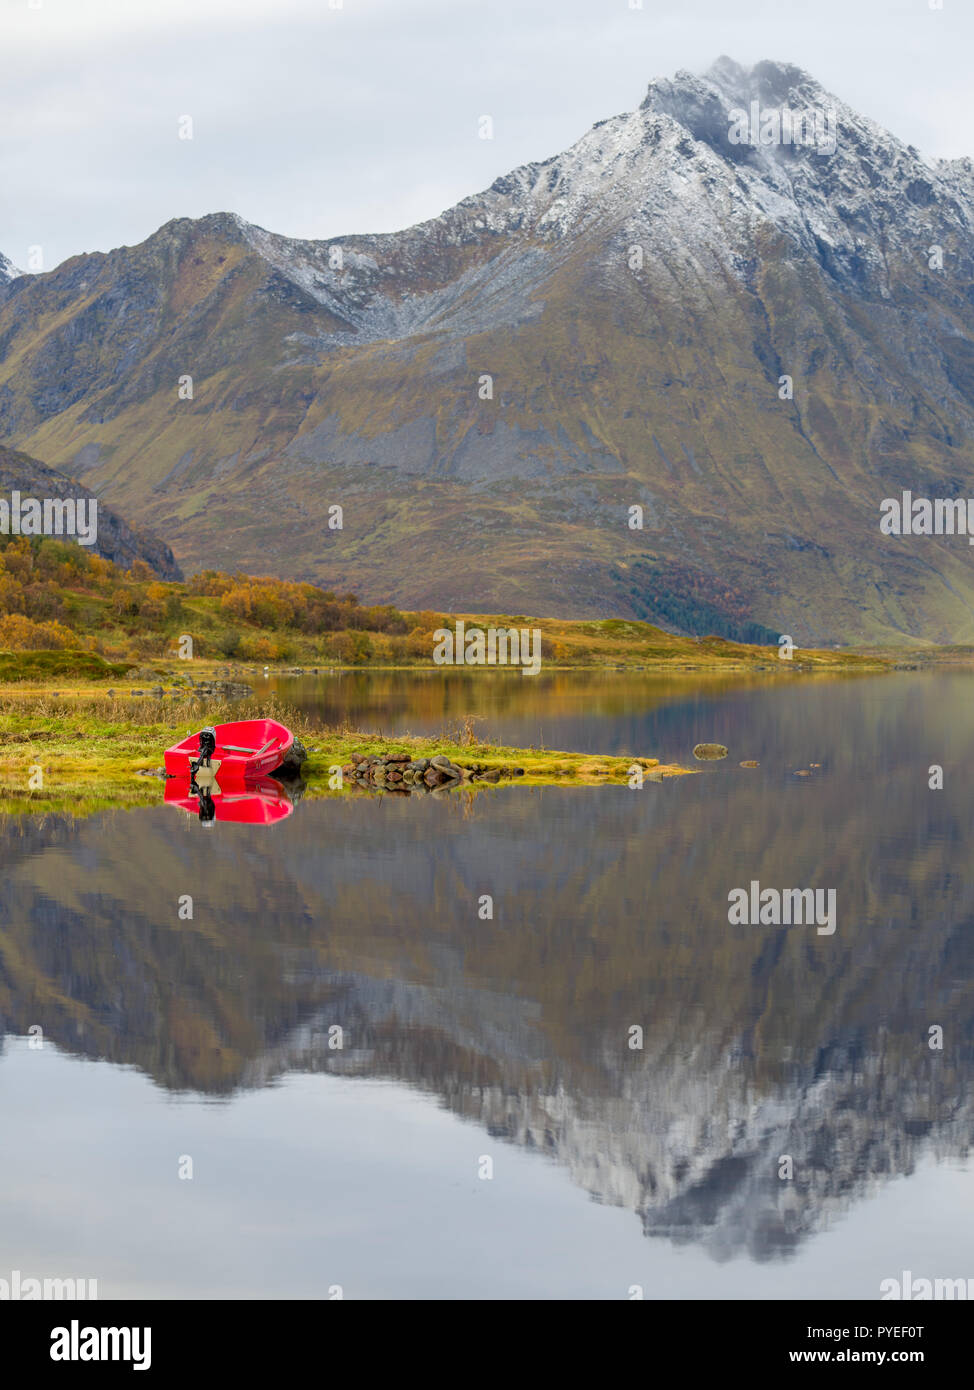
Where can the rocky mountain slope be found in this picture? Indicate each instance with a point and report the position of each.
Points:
(635, 301)
(116, 539)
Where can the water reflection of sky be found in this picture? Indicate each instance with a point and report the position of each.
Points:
(321, 1181)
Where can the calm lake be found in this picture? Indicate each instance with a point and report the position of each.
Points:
(604, 1086)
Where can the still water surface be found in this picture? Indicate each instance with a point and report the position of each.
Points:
(508, 1040)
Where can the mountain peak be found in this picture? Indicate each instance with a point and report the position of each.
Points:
(726, 81)
(659, 280)
(726, 71)
(8, 271)
(771, 81)
(229, 226)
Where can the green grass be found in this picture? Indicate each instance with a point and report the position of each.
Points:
(44, 666)
(91, 750)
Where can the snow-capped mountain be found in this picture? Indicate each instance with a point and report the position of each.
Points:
(742, 306)
(8, 271)
(672, 172)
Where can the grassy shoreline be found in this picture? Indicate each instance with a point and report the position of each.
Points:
(94, 751)
(148, 676)
(94, 742)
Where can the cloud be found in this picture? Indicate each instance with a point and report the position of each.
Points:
(319, 122)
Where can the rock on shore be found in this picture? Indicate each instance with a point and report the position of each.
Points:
(400, 772)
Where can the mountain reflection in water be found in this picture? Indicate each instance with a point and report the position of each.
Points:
(610, 911)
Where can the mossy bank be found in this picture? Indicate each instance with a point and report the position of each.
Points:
(94, 750)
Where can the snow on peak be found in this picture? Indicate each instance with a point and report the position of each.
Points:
(695, 170)
(8, 271)
(768, 81)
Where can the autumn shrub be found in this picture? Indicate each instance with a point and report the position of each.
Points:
(19, 633)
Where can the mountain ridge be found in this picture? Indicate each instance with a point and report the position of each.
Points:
(8, 271)
(349, 371)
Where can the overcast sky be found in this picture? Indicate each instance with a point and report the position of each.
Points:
(317, 122)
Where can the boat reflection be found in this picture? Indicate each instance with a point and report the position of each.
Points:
(259, 802)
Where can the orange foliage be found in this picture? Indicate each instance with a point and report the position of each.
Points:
(20, 634)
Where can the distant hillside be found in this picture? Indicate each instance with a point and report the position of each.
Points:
(116, 539)
(57, 597)
(635, 302)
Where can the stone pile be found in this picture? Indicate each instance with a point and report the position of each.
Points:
(401, 772)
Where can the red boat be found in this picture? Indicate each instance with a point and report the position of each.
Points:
(257, 803)
(237, 752)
